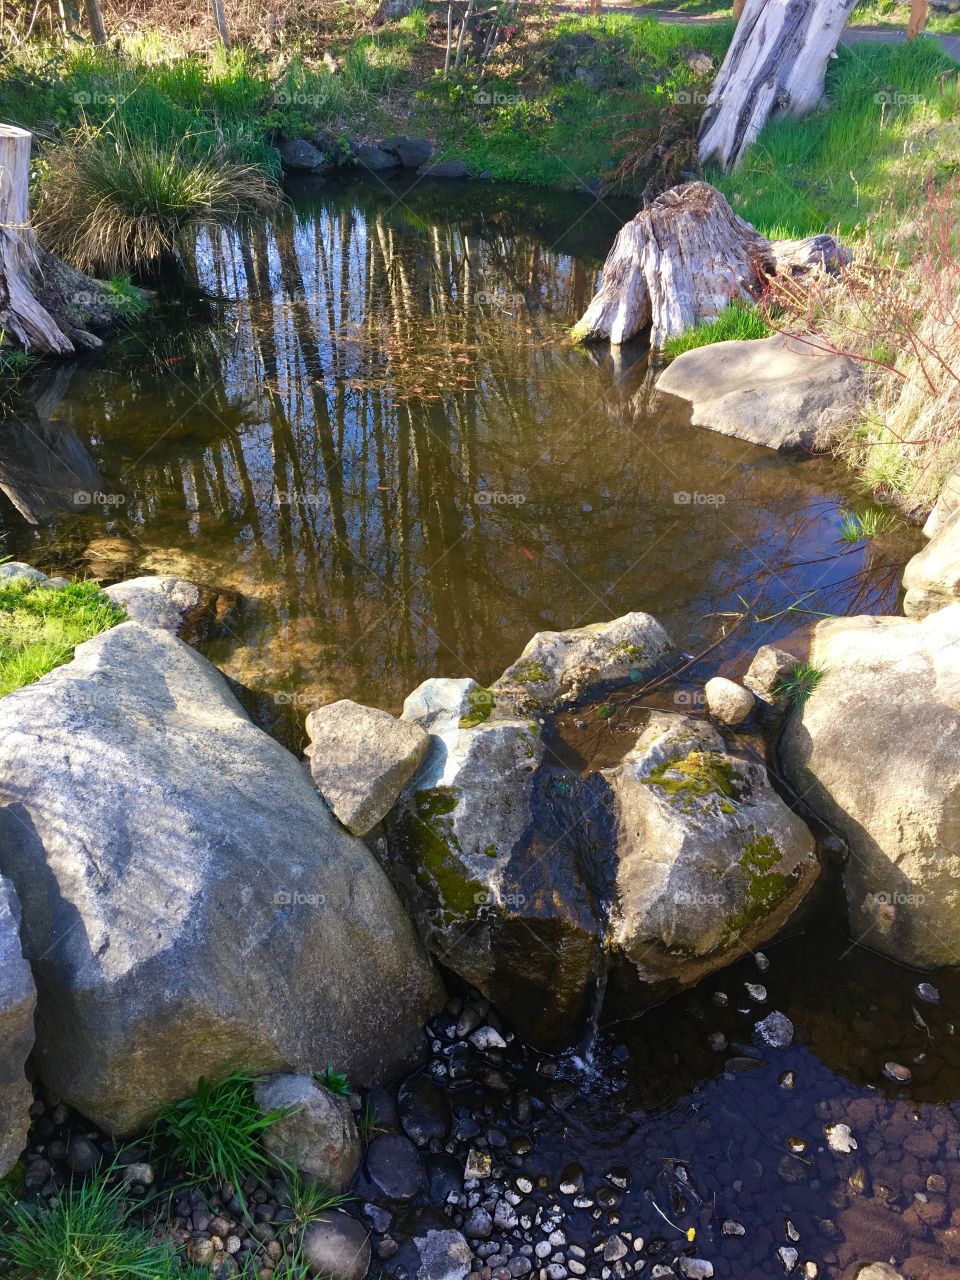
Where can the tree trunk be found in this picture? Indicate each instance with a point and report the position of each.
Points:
(775, 67)
(98, 32)
(22, 317)
(220, 19)
(683, 260)
(919, 12)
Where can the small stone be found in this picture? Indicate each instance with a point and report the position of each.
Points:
(840, 1138)
(797, 1145)
(479, 1225)
(82, 1155)
(232, 1244)
(792, 1232)
(788, 1079)
(761, 961)
(202, 1253)
(898, 1073)
(721, 999)
(789, 1257)
(572, 1180)
(730, 1227)
(336, 1246)
(614, 1249)
(487, 1038)
(717, 1041)
(728, 702)
(479, 1165)
(756, 991)
(810, 1270)
(775, 1031)
(696, 1268)
(928, 992)
(141, 1174)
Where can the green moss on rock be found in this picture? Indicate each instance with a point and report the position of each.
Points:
(699, 776)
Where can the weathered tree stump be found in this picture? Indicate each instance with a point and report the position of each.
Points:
(683, 260)
(45, 304)
(775, 67)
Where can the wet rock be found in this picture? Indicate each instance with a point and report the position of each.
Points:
(336, 1246)
(695, 1268)
(133, 772)
(479, 1165)
(931, 579)
(897, 1072)
(777, 392)
(711, 861)
(560, 667)
(789, 1258)
(17, 1001)
(928, 992)
(299, 156)
(767, 671)
(411, 153)
(479, 1225)
(756, 991)
(775, 1031)
(443, 1255)
(730, 1227)
(878, 1271)
(424, 1110)
(360, 759)
(375, 158)
(394, 1167)
(727, 701)
(875, 751)
(172, 604)
(318, 1137)
(447, 169)
(15, 570)
(82, 1154)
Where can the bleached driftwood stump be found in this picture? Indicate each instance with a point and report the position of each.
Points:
(683, 260)
(775, 66)
(22, 316)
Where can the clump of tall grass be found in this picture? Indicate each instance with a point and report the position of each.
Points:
(739, 321)
(111, 202)
(896, 310)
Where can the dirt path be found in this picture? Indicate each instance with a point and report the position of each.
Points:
(851, 35)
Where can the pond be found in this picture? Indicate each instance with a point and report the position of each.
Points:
(369, 423)
(373, 427)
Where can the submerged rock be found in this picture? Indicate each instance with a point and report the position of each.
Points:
(17, 1000)
(318, 1137)
(172, 604)
(712, 863)
(778, 392)
(875, 751)
(560, 667)
(447, 169)
(360, 759)
(188, 900)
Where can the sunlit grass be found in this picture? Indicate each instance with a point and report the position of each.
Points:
(41, 626)
(738, 322)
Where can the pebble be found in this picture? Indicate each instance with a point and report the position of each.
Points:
(762, 963)
(756, 991)
(479, 1165)
(696, 1268)
(789, 1258)
(721, 999)
(717, 1042)
(614, 1249)
(487, 1038)
(730, 1227)
(898, 1073)
(479, 1225)
(839, 1138)
(928, 992)
(775, 1031)
(788, 1080)
(141, 1174)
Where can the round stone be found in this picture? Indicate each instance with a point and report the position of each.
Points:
(728, 702)
(336, 1246)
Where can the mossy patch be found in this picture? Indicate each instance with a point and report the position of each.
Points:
(482, 702)
(527, 671)
(436, 859)
(700, 776)
(762, 888)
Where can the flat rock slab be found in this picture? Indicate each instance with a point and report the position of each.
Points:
(777, 392)
(360, 759)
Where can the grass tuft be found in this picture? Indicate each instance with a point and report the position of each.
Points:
(40, 627)
(89, 1232)
(798, 686)
(216, 1134)
(110, 203)
(336, 1081)
(739, 321)
(858, 526)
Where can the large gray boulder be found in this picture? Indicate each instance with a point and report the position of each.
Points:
(875, 752)
(317, 1135)
(778, 392)
(559, 667)
(931, 579)
(189, 902)
(361, 758)
(712, 863)
(17, 1000)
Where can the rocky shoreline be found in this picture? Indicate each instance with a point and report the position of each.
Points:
(182, 895)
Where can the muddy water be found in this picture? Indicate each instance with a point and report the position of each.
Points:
(369, 423)
(372, 426)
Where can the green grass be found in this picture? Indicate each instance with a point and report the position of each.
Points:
(893, 14)
(40, 627)
(798, 686)
(859, 526)
(308, 1199)
(216, 1134)
(739, 321)
(550, 129)
(888, 128)
(89, 1232)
